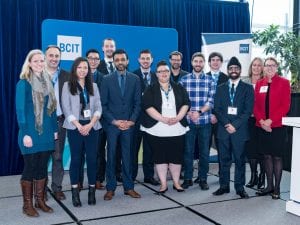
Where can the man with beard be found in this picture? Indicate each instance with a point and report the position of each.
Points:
(147, 77)
(233, 106)
(59, 77)
(121, 99)
(175, 59)
(201, 89)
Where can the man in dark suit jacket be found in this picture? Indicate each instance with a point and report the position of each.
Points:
(233, 107)
(121, 99)
(106, 65)
(59, 77)
(175, 59)
(147, 77)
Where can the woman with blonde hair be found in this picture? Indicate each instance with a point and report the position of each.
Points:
(36, 115)
(255, 73)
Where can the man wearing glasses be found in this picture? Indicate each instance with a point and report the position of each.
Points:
(233, 107)
(175, 59)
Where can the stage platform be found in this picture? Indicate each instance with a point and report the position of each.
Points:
(192, 207)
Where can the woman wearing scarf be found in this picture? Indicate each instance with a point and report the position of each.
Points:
(35, 108)
(82, 108)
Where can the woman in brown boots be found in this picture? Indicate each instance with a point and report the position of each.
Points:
(36, 115)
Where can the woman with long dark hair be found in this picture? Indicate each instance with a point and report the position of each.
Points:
(82, 108)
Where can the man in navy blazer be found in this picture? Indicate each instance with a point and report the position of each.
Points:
(121, 99)
(147, 77)
(233, 106)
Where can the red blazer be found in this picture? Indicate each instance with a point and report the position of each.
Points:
(280, 99)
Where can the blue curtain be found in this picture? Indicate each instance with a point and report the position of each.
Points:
(20, 31)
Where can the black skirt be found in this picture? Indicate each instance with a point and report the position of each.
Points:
(166, 149)
(272, 143)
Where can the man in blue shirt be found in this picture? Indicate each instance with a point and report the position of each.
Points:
(201, 90)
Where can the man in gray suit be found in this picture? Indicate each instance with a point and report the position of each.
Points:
(59, 77)
(121, 99)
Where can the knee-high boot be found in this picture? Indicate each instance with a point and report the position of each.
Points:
(262, 175)
(27, 191)
(254, 178)
(39, 188)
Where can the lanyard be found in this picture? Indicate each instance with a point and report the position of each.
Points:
(85, 96)
(166, 92)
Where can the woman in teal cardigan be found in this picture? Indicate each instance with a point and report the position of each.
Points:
(36, 115)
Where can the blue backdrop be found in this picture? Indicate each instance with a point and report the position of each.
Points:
(20, 31)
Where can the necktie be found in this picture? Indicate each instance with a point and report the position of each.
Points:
(122, 84)
(232, 90)
(146, 78)
(111, 67)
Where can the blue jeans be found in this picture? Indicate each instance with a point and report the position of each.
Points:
(227, 149)
(203, 133)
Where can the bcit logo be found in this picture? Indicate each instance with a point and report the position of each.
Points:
(244, 48)
(70, 46)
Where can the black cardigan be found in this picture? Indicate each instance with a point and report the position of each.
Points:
(152, 98)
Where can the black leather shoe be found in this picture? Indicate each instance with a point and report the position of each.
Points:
(178, 189)
(221, 191)
(243, 194)
(197, 180)
(163, 191)
(91, 196)
(75, 197)
(264, 192)
(275, 195)
(151, 181)
(203, 185)
(186, 184)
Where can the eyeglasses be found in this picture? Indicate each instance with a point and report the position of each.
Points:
(271, 66)
(162, 71)
(234, 68)
(93, 59)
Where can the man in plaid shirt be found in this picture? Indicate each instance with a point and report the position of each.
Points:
(201, 90)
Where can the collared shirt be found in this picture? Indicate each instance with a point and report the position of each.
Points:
(107, 62)
(119, 77)
(215, 75)
(201, 92)
(56, 91)
(148, 75)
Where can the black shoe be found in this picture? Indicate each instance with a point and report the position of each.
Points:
(186, 184)
(243, 194)
(203, 185)
(178, 189)
(119, 178)
(163, 191)
(75, 197)
(197, 180)
(151, 181)
(264, 192)
(221, 191)
(276, 195)
(91, 196)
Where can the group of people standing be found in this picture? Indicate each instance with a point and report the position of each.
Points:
(106, 111)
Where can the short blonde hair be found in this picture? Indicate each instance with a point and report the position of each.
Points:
(26, 70)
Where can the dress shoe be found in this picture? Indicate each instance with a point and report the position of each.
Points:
(264, 192)
(203, 185)
(132, 193)
(151, 181)
(75, 197)
(119, 178)
(163, 191)
(91, 196)
(197, 180)
(221, 191)
(59, 195)
(243, 194)
(186, 184)
(178, 189)
(109, 195)
(275, 195)
(99, 185)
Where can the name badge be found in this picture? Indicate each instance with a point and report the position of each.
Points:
(168, 105)
(232, 110)
(263, 89)
(87, 113)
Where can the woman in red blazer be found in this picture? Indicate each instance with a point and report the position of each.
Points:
(272, 102)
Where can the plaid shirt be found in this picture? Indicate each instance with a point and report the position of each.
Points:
(201, 92)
